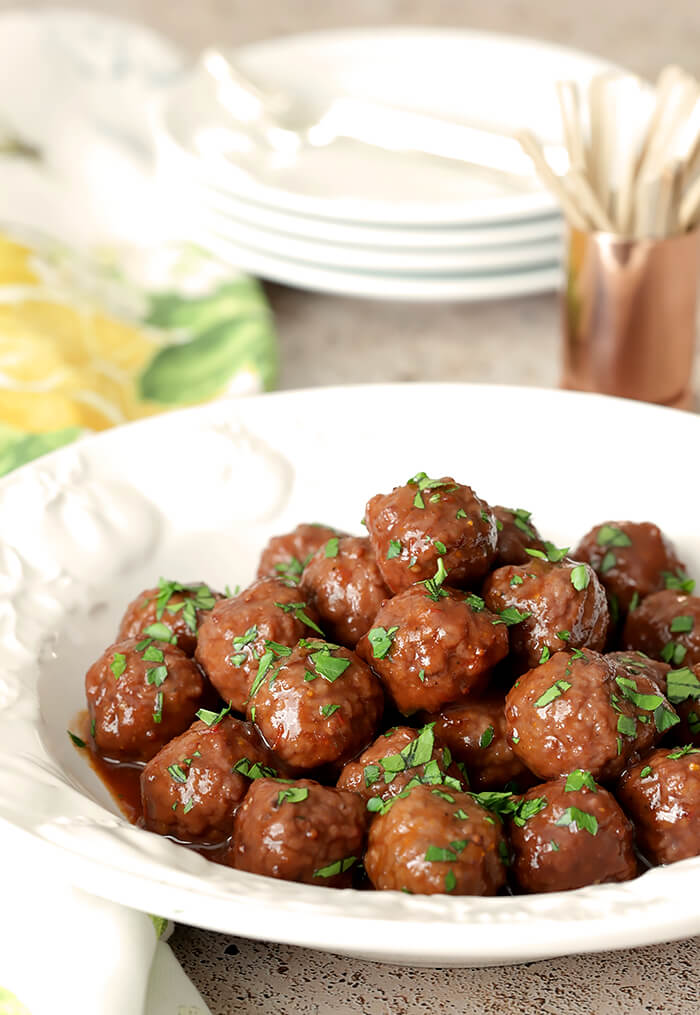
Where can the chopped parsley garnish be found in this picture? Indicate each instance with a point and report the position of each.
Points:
(332, 547)
(461, 815)
(253, 770)
(372, 774)
(572, 816)
(682, 685)
(476, 602)
(634, 602)
(521, 520)
(647, 702)
(153, 654)
(210, 718)
(327, 665)
(439, 546)
(554, 846)
(76, 740)
(545, 655)
(177, 773)
(678, 581)
(682, 624)
(445, 854)
(564, 635)
(517, 579)
(511, 615)
(337, 867)
(646, 771)
(298, 611)
(196, 597)
(394, 549)
(611, 535)
(274, 653)
(627, 725)
(486, 737)
(293, 795)
(433, 586)
(157, 675)
(328, 710)
(608, 562)
(161, 632)
(523, 810)
(450, 881)
(291, 570)
(578, 779)
(673, 653)
(118, 664)
(551, 552)
(461, 513)
(558, 688)
(381, 639)
(158, 707)
(421, 676)
(580, 577)
(681, 752)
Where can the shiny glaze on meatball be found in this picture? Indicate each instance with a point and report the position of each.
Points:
(666, 626)
(553, 604)
(141, 693)
(516, 531)
(345, 586)
(287, 555)
(299, 831)
(180, 609)
(428, 520)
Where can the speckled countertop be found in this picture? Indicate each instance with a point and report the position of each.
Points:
(328, 340)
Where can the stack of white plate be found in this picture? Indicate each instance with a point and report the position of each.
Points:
(355, 219)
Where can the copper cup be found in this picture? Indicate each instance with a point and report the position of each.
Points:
(629, 316)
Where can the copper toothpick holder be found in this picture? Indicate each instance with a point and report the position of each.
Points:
(629, 315)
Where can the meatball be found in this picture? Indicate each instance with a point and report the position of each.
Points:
(141, 694)
(172, 609)
(344, 584)
(666, 626)
(515, 532)
(661, 794)
(548, 604)
(315, 704)
(299, 831)
(426, 521)
(398, 757)
(234, 636)
(569, 833)
(579, 711)
(192, 787)
(475, 732)
(286, 556)
(433, 840)
(632, 560)
(431, 645)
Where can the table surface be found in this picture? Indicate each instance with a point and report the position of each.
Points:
(328, 340)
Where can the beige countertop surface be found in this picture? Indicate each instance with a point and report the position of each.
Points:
(328, 340)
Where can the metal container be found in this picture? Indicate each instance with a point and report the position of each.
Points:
(629, 315)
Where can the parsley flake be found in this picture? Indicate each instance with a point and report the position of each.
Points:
(558, 688)
(328, 710)
(118, 664)
(439, 546)
(645, 772)
(177, 773)
(486, 737)
(517, 579)
(161, 632)
(608, 562)
(450, 881)
(298, 611)
(394, 549)
(158, 707)
(580, 577)
(578, 779)
(461, 513)
(545, 655)
(253, 770)
(476, 602)
(433, 586)
(682, 624)
(444, 854)
(577, 819)
(210, 718)
(673, 653)
(76, 739)
(611, 535)
(682, 685)
(293, 795)
(678, 581)
(627, 725)
(681, 752)
(511, 615)
(332, 547)
(337, 867)
(381, 639)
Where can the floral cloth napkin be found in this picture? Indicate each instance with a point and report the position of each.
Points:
(107, 314)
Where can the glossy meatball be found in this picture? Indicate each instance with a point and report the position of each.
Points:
(550, 605)
(141, 694)
(192, 787)
(399, 757)
(661, 794)
(233, 637)
(344, 584)
(315, 704)
(433, 841)
(431, 645)
(515, 532)
(632, 560)
(299, 831)
(569, 833)
(180, 608)
(286, 556)
(579, 711)
(426, 521)
(666, 626)
(475, 732)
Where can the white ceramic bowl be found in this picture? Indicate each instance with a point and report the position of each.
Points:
(195, 494)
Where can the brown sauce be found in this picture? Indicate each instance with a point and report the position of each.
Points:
(122, 780)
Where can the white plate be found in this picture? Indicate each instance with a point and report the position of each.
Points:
(513, 257)
(188, 180)
(497, 81)
(85, 528)
(382, 285)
